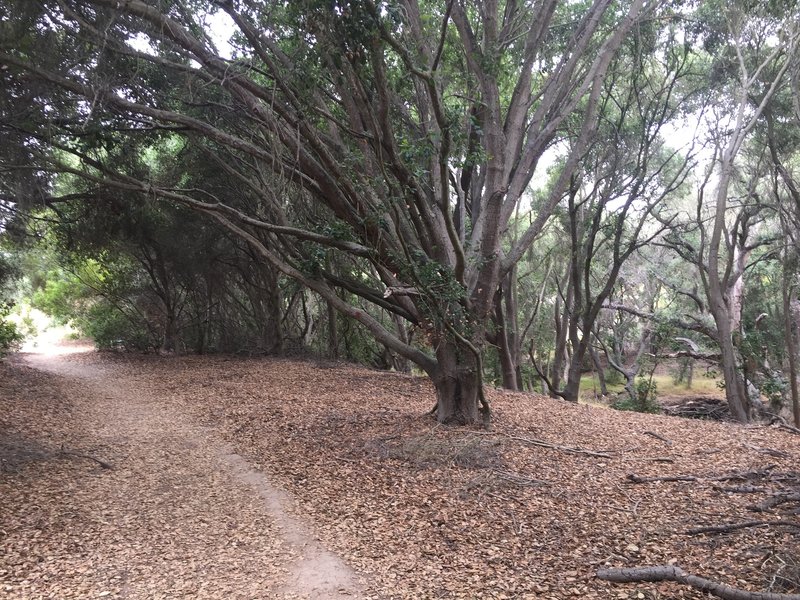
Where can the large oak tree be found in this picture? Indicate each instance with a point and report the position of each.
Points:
(416, 125)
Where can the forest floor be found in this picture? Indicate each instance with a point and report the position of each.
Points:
(264, 478)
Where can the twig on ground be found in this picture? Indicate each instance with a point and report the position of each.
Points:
(740, 489)
(669, 573)
(102, 463)
(769, 451)
(520, 480)
(781, 423)
(543, 444)
(633, 478)
(658, 437)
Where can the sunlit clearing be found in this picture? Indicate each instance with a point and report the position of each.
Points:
(53, 340)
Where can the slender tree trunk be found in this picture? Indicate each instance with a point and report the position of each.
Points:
(506, 338)
(401, 364)
(510, 291)
(273, 331)
(562, 332)
(791, 344)
(601, 375)
(333, 333)
(169, 343)
(795, 309)
(735, 392)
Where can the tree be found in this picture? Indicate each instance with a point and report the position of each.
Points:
(624, 178)
(417, 126)
(753, 49)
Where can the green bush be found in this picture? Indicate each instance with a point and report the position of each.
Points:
(645, 401)
(10, 338)
(111, 329)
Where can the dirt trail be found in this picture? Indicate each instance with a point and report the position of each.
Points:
(179, 515)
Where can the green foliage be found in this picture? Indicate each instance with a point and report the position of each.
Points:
(62, 297)
(112, 329)
(613, 377)
(646, 392)
(680, 373)
(775, 388)
(10, 337)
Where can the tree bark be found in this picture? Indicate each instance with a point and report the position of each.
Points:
(601, 375)
(169, 342)
(507, 340)
(456, 383)
(789, 335)
(670, 573)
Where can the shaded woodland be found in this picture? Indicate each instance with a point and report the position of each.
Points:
(533, 195)
(509, 193)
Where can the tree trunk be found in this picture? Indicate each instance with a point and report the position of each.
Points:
(273, 331)
(169, 342)
(507, 341)
(333, 333)
(601, 374)
(735, 392)
(561, 330)
(457, 386)
(572, 389)
(791, 344)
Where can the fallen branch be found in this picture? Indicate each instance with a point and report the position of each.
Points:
(737, 526)
(633, 478)
(543, 444)
(740, 489)
(678, 575)
(789, 428)
(774, 501)
(102, 463)
(520, 480)
(739, 476)
(658, 437)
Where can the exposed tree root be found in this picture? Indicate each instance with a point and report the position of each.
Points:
(669, 573)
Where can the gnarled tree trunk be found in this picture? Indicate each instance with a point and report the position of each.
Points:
(458, 386)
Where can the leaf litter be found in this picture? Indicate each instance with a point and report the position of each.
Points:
(531, 509)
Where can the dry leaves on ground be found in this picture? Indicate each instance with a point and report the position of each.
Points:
(434, 512)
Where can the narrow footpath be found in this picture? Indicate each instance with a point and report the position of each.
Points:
(106, 492)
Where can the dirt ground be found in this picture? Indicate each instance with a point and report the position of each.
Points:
(265, 478)
(109, 492)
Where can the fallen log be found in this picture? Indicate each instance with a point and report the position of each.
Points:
(678, 575)
(736, 526)
(737, 476)
(775, 500)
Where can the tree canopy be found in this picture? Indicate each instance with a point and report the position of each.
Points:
(403, 160)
